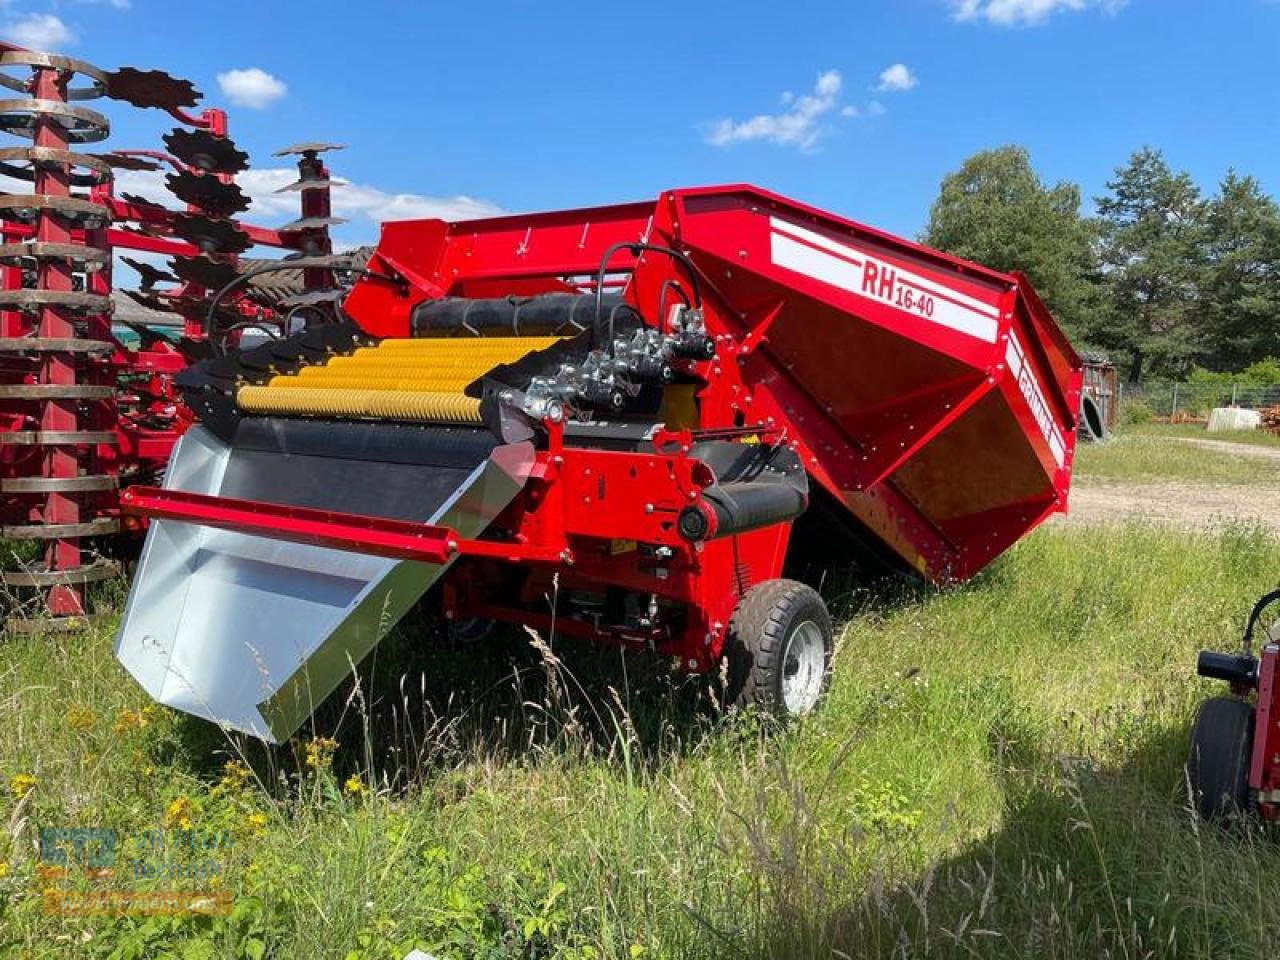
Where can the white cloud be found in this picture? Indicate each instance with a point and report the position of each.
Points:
(799, 125)
(251, 88)
(897, 78)
(876, 109)
(39, 31)
(355, 201)
(1008, 13)
(364, 205)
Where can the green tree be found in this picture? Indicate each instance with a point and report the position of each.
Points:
(1152, 232)
(1241, 288)
(996, 211)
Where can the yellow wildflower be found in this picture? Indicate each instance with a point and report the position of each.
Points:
(256, 821)
(354, 787)
(234, 775)
(80, 718)
(178, 813)
(130, 720)
(319, 750)
(4, 868)
(21, 784)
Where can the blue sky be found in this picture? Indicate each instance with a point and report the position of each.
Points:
(469, 107)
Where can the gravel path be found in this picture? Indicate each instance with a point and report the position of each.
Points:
(1179, 504)
(1239, 449)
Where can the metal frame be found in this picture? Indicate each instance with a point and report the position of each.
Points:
(93, 415)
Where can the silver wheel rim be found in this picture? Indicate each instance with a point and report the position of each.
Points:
(803, 667)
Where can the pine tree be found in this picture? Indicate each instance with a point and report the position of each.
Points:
(996, 211)
(1241, 287)
(1152, 235)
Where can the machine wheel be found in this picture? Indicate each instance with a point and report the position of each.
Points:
(779, 649)
(1218, 762)
(473, 630)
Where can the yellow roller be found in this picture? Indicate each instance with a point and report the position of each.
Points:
(431, 407)
(349, 365)
(411, 379)
(448, 384)
(513, 345)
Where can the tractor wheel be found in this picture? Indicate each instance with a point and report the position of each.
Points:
(778, 650)
(1218, 762)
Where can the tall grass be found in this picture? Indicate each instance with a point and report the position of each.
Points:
(996, 773)
(1138, 456)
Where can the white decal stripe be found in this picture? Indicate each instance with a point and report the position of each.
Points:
(1033, 393)
(839, 272)
(853, 253)
(816, 239)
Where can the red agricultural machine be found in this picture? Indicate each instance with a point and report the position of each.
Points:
(616, 423)
(87, 403)
(1233, 766)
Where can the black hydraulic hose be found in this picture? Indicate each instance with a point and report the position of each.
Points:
(1255, 615)
(636, 248)
(669, 284)
(302, 263)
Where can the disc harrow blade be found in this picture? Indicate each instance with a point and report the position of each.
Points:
(121, 161)
(148, 300)
(204, 271)
(312, 147)
(205, 151)
(310, 223)
(150, 274)
(215, 197)
(151, 88)
(210, 235)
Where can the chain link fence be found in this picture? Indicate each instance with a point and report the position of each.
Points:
(1197, 399)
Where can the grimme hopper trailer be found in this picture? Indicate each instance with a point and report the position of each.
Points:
(654, 405)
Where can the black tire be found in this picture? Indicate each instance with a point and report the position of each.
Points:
(473, 630)
(757, 650)
(1218, 761)
(1092, 428)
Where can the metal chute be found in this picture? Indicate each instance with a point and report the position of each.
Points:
(253, 633)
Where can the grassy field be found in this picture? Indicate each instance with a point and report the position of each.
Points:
(997, 773)
(1153, 452)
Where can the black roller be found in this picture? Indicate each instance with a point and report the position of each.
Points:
(546, 315)
(756, 486)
